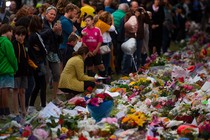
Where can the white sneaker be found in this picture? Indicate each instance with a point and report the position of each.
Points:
(31, 110)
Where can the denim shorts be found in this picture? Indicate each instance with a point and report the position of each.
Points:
(6, 81)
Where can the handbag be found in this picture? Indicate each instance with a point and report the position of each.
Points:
(104, 49)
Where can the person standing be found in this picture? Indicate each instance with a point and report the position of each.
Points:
(71, 11)
(52, 45)
(92, 38)
(8, 67)
(156, 31)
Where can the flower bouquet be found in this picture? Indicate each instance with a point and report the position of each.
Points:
(99, 105)
(135, 120)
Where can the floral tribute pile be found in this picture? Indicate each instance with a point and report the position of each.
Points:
(168, 98)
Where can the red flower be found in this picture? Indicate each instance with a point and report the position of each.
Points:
(61, 121)
(26, 134)
(100, 95)
(191, 68)
(151, 138)
(90, 89)
(80, 103)
(204, 51)
(181, 79)
(82, 138)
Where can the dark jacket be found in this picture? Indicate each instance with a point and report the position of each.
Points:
(37, 55)
(53, 40)
(68, 54)
(22, 58)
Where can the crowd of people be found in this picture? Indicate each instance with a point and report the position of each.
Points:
(38, 44)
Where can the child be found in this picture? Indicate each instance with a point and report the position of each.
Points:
(72, 41)
(92, 38)
(8, 67)
(21, 79)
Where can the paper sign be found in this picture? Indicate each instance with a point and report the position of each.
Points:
(70, 112)
(81, 109)
(78, 45)
(120, 114)
(112, 94)
(206, 86)
(50, 110)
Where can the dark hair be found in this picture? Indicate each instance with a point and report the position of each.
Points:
(86, 1)
(72, 37)
(5, 28)
(88, 16)
(20, 30)
(35, 23)
(61, 4)
(82, 50)
(71, 7)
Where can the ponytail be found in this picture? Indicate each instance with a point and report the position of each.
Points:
(82, 50)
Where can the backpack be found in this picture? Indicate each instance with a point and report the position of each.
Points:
(131, 25)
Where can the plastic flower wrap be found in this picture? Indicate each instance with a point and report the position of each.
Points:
(99, 105)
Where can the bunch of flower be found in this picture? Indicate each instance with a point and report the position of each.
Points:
(204, 130)
(134, 120)
(76, 101)
(154, 60)
(68, 126)
(97, 99)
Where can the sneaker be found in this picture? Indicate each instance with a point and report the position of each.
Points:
(31, 110)
(57, 101)
(11, 115)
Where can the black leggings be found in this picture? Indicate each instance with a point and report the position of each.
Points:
(40, 86)
(86, 85)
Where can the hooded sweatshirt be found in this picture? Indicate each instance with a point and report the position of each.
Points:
(8, 60)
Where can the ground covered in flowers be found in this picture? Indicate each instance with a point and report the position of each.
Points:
(167, 99)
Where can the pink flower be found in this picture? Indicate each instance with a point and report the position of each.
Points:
(94, 102)
(40, 134)
(148, 102)
(109, 120)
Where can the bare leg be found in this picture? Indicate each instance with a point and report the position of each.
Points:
(22, 101)
(15, 101)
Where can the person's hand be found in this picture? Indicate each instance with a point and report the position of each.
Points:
(84, 33)
(95, 52)
(90, 54)
(36, 48)
(154, 26)
(74, 29)
(57, 28)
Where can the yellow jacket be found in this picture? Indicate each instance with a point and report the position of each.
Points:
(73, 77)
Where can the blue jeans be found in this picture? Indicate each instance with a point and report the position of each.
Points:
(126, 64)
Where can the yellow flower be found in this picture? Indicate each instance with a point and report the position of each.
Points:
(132, 83)
(64, 130)
(124, 78)
(125, 119)
(132, 110)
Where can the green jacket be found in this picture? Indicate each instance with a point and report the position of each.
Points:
(118, 16)
(8, 60)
